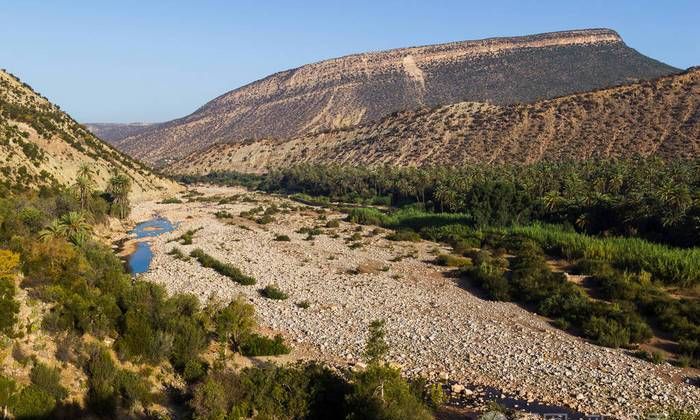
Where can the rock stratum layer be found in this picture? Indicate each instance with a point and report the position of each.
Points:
(40, 145)
(651, 118)
(361, 88)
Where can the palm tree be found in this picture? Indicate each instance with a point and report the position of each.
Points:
(52, 231)
(84, 185)
(120, 187)
(72, 226)
(75, 227)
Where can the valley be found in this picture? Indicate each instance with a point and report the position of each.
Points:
(349, 275)
(488, 229)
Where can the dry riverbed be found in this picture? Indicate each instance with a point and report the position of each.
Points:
(435, 327)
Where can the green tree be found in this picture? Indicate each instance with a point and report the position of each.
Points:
(235, 322)
(119, 188)
(376, 347)
(75, 227)
(84, 185)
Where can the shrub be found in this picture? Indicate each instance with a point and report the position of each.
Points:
(48, 380)
(223, 214)
(448, 260)
(606, 332)
(491, 279)
(404, 235)
(178, 255)
(258, 345)
(304, 304)
(235, 322)
(333, 223)
(272, 291)
(171, 200)
(282, 238)
(194, 370)
(222, 268)
(395, 402)
(132, 388)
(265, 219)
(366, 216)
(32, 403)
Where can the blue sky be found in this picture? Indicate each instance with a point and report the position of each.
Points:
(123, 61)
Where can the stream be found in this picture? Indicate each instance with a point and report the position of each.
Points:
(139, 261)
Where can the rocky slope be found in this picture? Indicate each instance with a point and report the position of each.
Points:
(42, 145)
(361, 88)
(115, 131)
(660, 117)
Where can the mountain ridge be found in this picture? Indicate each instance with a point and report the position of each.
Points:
(659, 117)
(359, 88)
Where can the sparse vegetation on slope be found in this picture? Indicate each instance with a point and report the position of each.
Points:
(361, 88)
(652, 118)
(42, 147)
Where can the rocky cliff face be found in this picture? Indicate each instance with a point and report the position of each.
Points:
(361, 88)
(40, 145)
(650, 118)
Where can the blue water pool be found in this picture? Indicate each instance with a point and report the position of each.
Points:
(139, 261)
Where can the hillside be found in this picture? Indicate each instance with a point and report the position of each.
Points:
(660, 118)
(42, 145)
(362, 88)
(115, 131)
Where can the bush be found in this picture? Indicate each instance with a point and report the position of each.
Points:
(395, 402)
(178, 255)
(333, 223)
(223, 214)
(304, 304)
(33, 403)
(258, 345)
(282, 238)
(303, 391)
(171, 200)
(272, 291)
(491, 279)
(265, 219)
(367, 216)
(404, 235)
(606, 332)
(222, 268)
(48, 380)
(235, 322)
(194, 370)
(448, 260)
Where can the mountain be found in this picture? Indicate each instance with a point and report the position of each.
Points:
(115, 131)
(42, 145)
(659, 117)
(362, 88)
